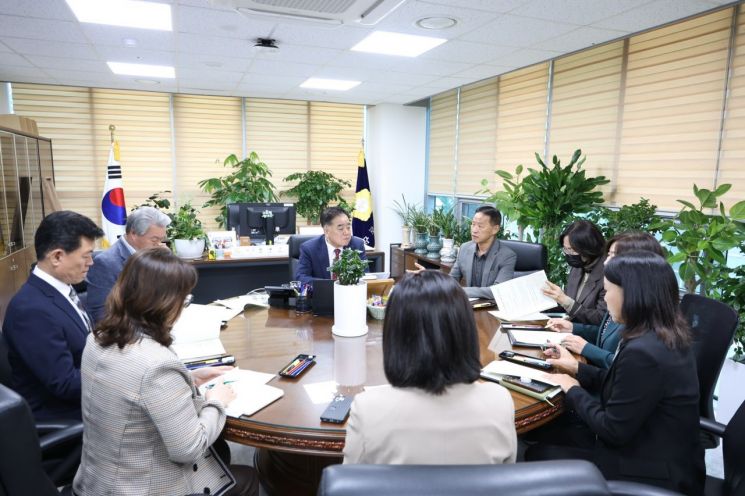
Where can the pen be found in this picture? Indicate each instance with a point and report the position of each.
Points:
(302, 367)
(210, 386)
(296, 367)
(294, 364)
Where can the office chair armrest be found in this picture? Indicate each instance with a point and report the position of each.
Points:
(711, 426)
(61, 436)
(627, 488)
(47, 426)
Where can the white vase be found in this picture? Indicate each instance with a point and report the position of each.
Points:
(350, 361)
(189, 248)
(350, 310)
(447, 254)
(405, 237)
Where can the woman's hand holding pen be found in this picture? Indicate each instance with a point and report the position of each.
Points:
(206, 374)
(559, 325)
(559, 357)
(221, 392)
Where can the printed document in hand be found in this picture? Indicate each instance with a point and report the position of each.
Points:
(499, 368)
(196, 333)
(534, 339)
(252, 393)
(522, 298)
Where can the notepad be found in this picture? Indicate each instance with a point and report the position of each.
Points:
(499, 368)
(196, 333)
(522, 298)
(534, 339)
(252, 392)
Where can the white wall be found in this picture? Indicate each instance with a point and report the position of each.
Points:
(395, 151)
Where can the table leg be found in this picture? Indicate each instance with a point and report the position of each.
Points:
(288, 473)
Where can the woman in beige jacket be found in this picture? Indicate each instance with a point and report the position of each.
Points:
(148, 431)
(435, 412)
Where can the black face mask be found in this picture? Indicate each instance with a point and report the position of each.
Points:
(575, 261)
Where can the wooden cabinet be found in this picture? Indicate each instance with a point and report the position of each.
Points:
(402, 260)
(24, 161)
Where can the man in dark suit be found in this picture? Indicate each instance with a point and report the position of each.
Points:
(317, 255)
(146, 228)
(45, 325)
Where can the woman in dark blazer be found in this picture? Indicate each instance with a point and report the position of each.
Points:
(598, 343)
(643, 426)
(584, 249)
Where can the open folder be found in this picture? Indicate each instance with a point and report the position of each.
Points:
(522, 298)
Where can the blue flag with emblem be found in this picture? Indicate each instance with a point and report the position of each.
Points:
(363, 224)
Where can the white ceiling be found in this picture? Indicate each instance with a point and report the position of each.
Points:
(41, 41)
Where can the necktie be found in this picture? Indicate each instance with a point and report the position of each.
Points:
(337, 252)
(79, 304)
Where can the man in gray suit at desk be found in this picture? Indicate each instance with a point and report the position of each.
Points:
(484, 261)
(146, 228)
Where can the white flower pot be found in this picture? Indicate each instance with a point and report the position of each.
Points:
(447, 254)
(350, 310)
(189, 248)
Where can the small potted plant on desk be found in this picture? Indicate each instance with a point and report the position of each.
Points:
(350, 295)
(186, 232)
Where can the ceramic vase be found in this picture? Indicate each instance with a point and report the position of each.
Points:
(421, 243)
(350, 310)
(447, 254)
(189, 248)
(405, 237)
(434, 246)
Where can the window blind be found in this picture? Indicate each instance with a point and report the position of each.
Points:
(208, 129)
(442, 133)
(477, 137)
(585, 108)
(672, 112)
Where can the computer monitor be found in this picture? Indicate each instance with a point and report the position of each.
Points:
(261, 220)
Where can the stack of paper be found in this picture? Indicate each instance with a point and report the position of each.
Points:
(500, 368)
(252, 393)
(534, 339)
(196, 333)
(522, 298)
(236, 305)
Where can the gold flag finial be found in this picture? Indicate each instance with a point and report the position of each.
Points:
(112, 128)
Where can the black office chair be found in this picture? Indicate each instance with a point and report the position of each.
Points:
(713, 326)
(733, 454)
(293, 245)
(21, 471)
(62, 440)
(531, 257)
(555, 478)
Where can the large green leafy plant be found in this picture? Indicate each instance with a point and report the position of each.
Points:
(185, 224)
(349, 268)
(640, 216)
(545, 199)
(314, 191)
(701, 240)
(249, 182)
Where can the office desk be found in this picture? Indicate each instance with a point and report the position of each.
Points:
(290, 429)
(231, 277)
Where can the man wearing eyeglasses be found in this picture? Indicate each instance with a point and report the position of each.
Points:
(317, 255)
(146, 228)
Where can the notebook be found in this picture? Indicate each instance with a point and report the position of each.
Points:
(252, 392)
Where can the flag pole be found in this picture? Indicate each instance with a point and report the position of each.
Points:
(112, 128)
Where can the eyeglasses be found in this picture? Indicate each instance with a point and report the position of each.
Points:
(187, 300)
(569, 251)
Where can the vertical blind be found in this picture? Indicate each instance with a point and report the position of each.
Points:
(647, 111)
(171, 142)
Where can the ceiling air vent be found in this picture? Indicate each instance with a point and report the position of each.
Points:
(367, 12)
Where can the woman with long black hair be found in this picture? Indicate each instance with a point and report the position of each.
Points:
(639, 417)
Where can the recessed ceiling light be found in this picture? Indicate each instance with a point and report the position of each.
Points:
(405, 45)
(437, 22)
(329, 84)
(129, 13)
(158, 71)
(129, 42)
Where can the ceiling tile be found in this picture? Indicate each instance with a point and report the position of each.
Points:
(281, 68)
(201, 85)
(652, 14)
(220, 22)
(301, 53)
(338, 37)
(16, 73)
(147, 39)
(480, 72)
(400, 64)
(210, 76)
(4, 48)
(41, 29)
(46, 9)
(580, 38)
(403, 19)
(210, 62)
(58, 49)
(509, 30)
(575, 11)
(135, 55)
(90, 78)
(68, 63)
(9, 58)
(524, 58)
(214, 45)
(498, 6)
(465, 51)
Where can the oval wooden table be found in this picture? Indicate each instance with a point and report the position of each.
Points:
(294, 445)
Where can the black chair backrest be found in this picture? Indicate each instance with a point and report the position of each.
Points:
(733, 454)
(531, 257)
(293, 246)
(5, 371)
(21, 471)
(713, 326)
(563, 477)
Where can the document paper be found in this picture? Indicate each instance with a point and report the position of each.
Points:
(500, 368)
(522, 298)
(196, 333)
(535, 338)
(252, 393)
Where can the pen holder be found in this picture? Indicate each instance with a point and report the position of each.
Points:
(302, 304)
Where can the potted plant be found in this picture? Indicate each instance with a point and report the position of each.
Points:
(404, 211)
(448, 225)
(350, 295)
(420, 222)
(249, 182)
(186, 232)
(314, 191)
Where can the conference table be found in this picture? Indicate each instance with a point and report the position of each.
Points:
(293, 445)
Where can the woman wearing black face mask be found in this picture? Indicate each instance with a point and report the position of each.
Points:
(583, 246)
